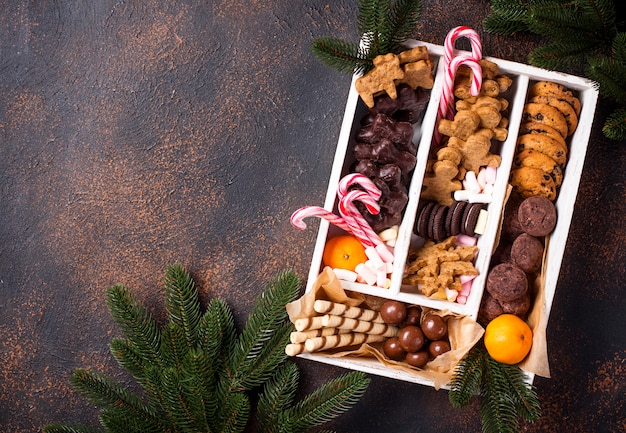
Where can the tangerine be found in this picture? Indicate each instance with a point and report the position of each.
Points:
(344, 252)
(508, 339)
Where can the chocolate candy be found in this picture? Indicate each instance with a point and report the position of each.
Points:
(411, 338)
(393, 350)
(434, 327)
(439, 347)
(393, 312)
(418, 359)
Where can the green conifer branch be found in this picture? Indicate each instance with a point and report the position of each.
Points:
(344, 57)
(181, 301)
(325, 403)
(467, 380)
(615, 125)
(403, 18)
(206, 371)
(135, 322)
(278, 394)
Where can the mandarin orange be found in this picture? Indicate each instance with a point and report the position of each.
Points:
(344, 252)
(508, 339)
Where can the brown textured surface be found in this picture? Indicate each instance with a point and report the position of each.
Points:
(136, 134)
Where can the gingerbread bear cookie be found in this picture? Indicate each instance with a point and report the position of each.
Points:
(380, 79)
(476, 150)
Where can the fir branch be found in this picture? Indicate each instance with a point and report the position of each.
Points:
(277, 395)
(615, 125)
(115, 420)
(467, 379)
(216, 331)
(344, 57)
(105, 392)
(267, 318)
(235, 413)
(403, 18)
(325, 403)
(500, 25)
(181, 301)
(69, 428)
(372, 21)
(497, 406)
(611, 76)
(618, 47)
(128, 357)
(201, 380)
(173, 345)
(135, 322)
(186, 408)
(560, 54)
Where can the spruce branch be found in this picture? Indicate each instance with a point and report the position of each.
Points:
(615, 125)
(467, 380)
(278, 395)
(382, 24)
(205, 373)
(325, 403)
(135, 322)
(181, 301)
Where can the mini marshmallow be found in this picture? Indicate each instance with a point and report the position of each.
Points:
(488, 189)
(381, 278)
(385, 254)
(462, 195)
(451, 294)
(345, 275)
(479, 198)
(364, 274)
(372, 254)
(466, 278)
(466, 288)
(389, 234)
(471, 183)
(460, 299)
(491, 174)
(480, 178)
(481, 222)
(465, 240)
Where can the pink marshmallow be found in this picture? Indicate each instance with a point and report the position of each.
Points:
(466, 288)
(460, 299)
(480, 178)
(466, 278)
(385, 253)
(491, 174)
(465, 240)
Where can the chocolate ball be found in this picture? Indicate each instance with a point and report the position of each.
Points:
(411, 338)
(393, 312)
(506, 282)
(393, 350)
(434, 327)
(436, 348)
(417, 359)
(413, 315)
(527, 253)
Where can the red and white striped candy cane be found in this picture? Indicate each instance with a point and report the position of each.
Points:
(357, 223)
(359, 179)
(446, 104)
(316, 211)
(459, 32)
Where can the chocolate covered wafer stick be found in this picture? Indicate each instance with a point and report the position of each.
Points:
(308, 323)
(302, 336)
(337, 309)
(294, 349)
(359, 326)
(342, 340)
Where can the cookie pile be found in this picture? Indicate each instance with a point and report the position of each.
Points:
(519, 256)
(478, 120)
(550, 117)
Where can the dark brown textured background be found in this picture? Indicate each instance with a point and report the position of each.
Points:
(134, 134)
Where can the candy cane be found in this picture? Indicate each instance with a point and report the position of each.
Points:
(359, 179)
(459, 32)
(357, 223)
(446, 104)
(316, 211)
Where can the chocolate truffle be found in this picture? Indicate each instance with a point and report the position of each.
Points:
(490, 308)
(527, 253)
(507, 282)
(537, 216)
(519, 306)
(511, 227)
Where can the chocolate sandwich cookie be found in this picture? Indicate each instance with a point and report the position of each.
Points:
(472, 218)
(527, 253)
(449, 215)
(438, 221)
(421, 225)
(537, 216)
(457, 218)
